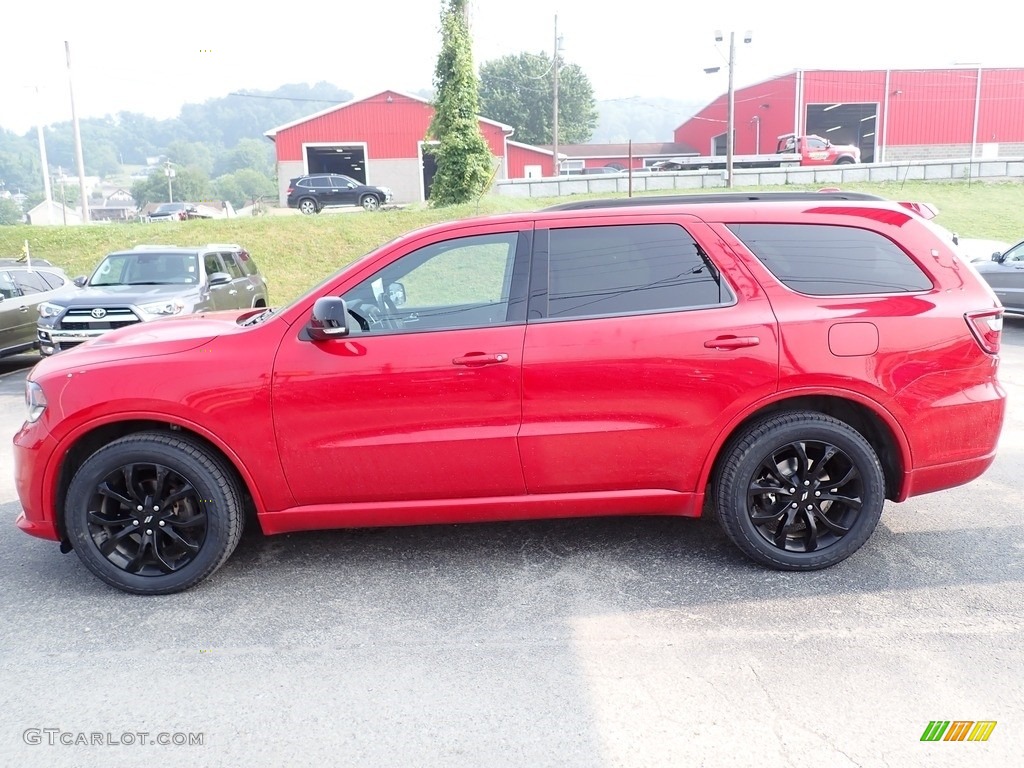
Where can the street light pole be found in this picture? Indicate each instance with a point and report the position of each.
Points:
(731, 127)
(169, 173)
(554, 117)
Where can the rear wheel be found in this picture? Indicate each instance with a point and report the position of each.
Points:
(308, 206)
(370, 202)
(153, 513)
(800, 491)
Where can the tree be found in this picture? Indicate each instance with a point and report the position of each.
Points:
(194, 154)
(248, 153)
(188, 184)
(243, 186)
(519, 90)
(10, 212)
(463, 159)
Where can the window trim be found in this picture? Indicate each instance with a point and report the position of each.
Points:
(819, 296)
(516, 309)
(540, 279)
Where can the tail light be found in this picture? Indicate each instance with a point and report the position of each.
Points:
(987, 327)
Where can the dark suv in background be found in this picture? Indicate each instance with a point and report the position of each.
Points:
(150, 282)
(312, 193)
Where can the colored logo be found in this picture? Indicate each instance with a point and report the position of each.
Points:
(958, 730)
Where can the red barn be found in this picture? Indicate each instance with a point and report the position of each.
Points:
(892, 114)
(377, 140)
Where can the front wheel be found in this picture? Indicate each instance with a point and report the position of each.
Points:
(370, 202)
(844, 161)
(800, 491)
(153, 513)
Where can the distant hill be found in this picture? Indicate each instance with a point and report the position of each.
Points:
(641, 119)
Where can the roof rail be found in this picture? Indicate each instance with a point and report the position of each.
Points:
(154, 246)
(721, 197)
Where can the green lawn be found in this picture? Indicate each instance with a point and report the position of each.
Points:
(296, 252)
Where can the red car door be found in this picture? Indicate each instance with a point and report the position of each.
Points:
(639, 350)
(423, 399)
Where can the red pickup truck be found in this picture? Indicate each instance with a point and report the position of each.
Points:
(791, 150)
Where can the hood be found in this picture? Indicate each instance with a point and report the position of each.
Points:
(119, 295)
(166, 336)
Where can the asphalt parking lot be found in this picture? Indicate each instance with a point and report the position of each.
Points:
(567, 643)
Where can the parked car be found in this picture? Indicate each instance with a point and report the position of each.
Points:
(1005, 273)
(23, 287)
(312, 193)
(172, 212)
(793, 359)
(150, 282)
(974, 249)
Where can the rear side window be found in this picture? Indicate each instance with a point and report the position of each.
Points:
(630, 269)
(824, 260)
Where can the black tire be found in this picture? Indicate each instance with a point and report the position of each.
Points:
(308, 206)
(369, 202)
(799, 491)
(844, 161)
(153, 513)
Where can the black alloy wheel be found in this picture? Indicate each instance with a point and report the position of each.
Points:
(799, 491)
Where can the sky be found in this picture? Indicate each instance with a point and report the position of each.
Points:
(153, 57)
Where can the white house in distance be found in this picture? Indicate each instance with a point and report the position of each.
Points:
(53, 213)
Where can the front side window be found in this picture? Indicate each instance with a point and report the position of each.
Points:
(231, 266)
(826, 260)
(632, 269)
(461, 283)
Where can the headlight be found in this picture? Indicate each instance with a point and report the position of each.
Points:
(35, 400)
(170, 307)
(46, 309)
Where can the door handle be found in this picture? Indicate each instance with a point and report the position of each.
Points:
(232, 292)
(732, 342)
(480, 358)
(23, 309)
(250, 287)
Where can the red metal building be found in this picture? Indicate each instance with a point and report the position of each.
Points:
(379, 140)
(892, 114)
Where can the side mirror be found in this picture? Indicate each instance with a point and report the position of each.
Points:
(219, 278)
(396, 292)
(998, 257)
(329, 319)
(80, 281)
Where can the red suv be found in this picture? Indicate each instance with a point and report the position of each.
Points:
(793, 359)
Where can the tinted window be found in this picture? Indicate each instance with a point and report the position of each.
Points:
(230, 266)
(247, 264)
(321, 182)
(30, 282)
(461, 283)
(53, 280)
(343, 182)
(628, 269)
(823, 260)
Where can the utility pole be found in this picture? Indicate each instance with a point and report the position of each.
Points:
(554, 119)
(731, 129)
(42, 155)
(78, 141)
(63, 195)
(169, 173)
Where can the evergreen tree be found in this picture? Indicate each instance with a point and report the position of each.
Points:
(463, 159)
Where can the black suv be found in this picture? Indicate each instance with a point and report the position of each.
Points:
(149, 282)
(312, 193)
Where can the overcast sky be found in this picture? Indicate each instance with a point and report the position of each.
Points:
(152, 57)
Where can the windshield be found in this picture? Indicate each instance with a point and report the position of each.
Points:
(169, 208)
(150, 268)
